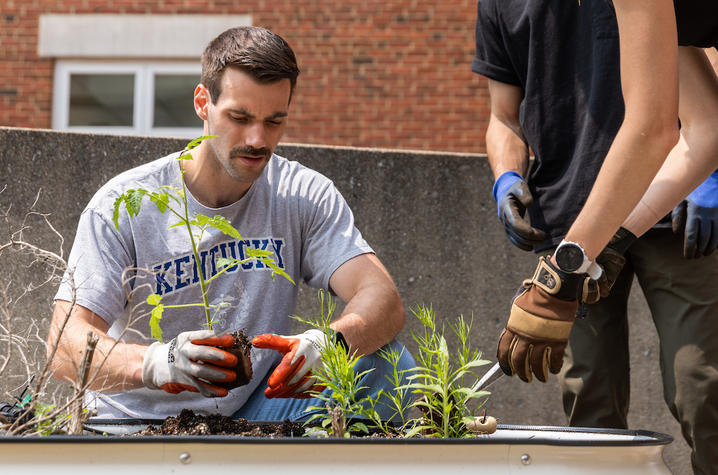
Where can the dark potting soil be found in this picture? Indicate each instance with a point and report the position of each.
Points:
(242, 349)
(189, 423)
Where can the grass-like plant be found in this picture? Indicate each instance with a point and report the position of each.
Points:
(342, 410)
(443, 381)
(441, 384)
(173, 199)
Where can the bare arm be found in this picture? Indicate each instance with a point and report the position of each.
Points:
(121, 371)
(696, 154)
(649, 80)
(374, 313)
(505, 142)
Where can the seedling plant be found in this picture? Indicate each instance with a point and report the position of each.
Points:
(441, 384)
(338, 417)
(173, 199)
(442, 381)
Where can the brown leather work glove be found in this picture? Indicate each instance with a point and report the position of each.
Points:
(541, 319)
(612, 261)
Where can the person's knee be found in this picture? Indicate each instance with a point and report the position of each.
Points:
(696, 381)
(392, 357)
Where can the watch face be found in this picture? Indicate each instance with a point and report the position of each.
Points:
(569, 257)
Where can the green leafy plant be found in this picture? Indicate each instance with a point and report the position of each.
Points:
(441, 384)
(173, 199)
(443, 381)
(342, 409)
(49, 422)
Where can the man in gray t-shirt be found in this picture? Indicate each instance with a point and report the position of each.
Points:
(248, 76)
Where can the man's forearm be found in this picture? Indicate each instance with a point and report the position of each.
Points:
(695, 156)
(674, 181)
(115, 366)
(371, 319)
(506, 148)
(617, 190)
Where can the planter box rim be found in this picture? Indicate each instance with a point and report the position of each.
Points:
(540, 435)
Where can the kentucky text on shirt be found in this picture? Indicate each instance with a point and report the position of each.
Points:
(182, 271)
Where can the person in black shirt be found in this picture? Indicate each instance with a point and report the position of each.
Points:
(555, 86)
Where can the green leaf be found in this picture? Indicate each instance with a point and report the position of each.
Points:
(223, 262)
(476, 363)
(221, 223)
(116, 212)
(155, 329)
(132, 200)
(478, 395)
(161, 200)
(432, 388)
(360, 426)
(194, 143)
(258, 253)
(414, 431)
(276, 270)
(154, 299)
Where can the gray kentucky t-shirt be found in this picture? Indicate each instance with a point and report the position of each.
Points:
(291, 210)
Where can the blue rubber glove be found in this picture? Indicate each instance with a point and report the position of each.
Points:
(513, 197)
(698, 213)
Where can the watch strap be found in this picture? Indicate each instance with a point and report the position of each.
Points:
(560, 284)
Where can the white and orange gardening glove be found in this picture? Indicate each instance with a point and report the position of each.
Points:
(190, 362)
(302, 354)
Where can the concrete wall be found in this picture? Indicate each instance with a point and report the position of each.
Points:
(430, 217)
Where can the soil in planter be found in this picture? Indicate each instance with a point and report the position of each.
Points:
(242, 349)
(189, 423)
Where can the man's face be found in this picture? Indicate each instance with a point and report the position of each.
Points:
(248, 120)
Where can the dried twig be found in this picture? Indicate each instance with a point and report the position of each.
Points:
(77, 416)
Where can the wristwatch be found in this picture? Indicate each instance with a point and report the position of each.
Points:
(570, 257)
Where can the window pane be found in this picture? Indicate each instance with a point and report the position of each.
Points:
(101, 99)
(174, 101)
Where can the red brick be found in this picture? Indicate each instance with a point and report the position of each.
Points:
(374, 73)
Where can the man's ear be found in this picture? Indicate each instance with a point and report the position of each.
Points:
(201, 101)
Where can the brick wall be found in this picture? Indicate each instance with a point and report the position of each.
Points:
(375, 73)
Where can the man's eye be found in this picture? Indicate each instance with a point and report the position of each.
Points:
(274, 122)
(240, 119)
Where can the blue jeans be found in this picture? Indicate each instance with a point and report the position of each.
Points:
(260, 408)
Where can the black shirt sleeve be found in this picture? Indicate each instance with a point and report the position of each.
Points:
(491, 59)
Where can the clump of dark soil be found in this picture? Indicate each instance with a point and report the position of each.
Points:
(242, 349)
(189, 423)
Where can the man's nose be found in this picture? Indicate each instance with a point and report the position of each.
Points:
(256, 136)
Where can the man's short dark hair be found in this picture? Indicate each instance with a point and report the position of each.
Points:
(257, 51)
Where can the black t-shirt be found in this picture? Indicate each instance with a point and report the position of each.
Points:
(697, 22)
(565, 57)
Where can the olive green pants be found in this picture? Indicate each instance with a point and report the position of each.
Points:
(682, 295)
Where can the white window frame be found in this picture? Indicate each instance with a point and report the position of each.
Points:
(143, 100)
